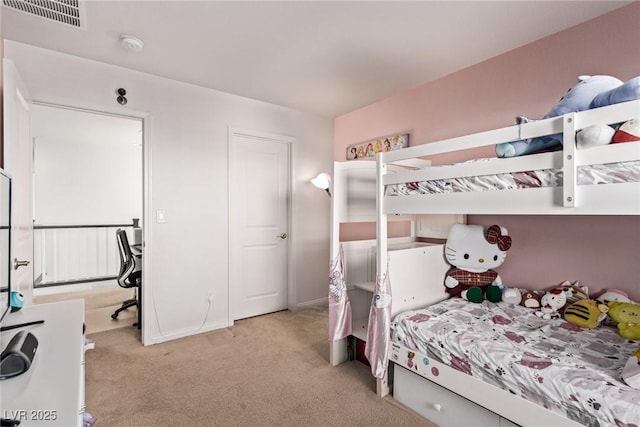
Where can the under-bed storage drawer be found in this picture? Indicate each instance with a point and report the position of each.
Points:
(438, 404)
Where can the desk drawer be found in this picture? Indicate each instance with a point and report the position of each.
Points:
(438, 404)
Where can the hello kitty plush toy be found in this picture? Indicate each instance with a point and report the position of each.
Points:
(473, 251)
(551, 303)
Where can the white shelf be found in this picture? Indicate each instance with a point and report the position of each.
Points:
(408, 245)
(360, 329)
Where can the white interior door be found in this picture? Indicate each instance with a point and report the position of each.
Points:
(18, 161)
(259, 223)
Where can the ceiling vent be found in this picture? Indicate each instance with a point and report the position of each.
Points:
(68, 12)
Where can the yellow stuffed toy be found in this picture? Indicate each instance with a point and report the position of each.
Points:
(628, 317)
(586, 313)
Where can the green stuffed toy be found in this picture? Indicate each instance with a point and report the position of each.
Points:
(627, 315)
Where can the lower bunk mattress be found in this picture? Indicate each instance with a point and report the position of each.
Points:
(568, 370)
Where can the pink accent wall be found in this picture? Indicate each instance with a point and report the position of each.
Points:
(601, 251)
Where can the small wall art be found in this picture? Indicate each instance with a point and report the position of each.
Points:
(369, 149)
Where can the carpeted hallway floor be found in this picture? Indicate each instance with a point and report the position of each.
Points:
(99, 303)
(270, 370)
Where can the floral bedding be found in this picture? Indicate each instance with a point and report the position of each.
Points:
(610, 173)
(553, 363)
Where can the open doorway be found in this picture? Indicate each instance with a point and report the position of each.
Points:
(87, 183)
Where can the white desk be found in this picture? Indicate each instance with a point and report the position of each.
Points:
(137, 235)
(53, 387)
(136, 250)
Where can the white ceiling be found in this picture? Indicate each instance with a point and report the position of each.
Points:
(322, 57)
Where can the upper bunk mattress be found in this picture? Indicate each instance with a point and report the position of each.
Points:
(610, 173)
(553, 363)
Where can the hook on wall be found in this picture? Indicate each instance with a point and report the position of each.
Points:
(122, 100)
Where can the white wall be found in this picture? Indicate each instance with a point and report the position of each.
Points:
(186, 146)
(87, 167)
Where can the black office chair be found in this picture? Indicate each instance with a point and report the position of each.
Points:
(128, 277)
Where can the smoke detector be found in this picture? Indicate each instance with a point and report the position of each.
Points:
(131, 43)
(68, 12)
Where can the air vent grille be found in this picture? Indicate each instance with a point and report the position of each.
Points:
(69, 12)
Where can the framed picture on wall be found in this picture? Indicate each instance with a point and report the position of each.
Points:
(369, 149)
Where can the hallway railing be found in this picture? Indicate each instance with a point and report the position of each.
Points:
(68, 254)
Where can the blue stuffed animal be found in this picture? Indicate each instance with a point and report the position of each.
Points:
(627, 91)
(588, 92)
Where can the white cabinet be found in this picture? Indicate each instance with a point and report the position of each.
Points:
(416, 272)
(410, 265)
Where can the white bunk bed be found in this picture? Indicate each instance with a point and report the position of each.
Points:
(441, 393)
(353, 200)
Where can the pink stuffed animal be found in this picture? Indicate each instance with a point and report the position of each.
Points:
(613, 295)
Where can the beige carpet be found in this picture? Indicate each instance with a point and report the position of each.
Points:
(270, 370)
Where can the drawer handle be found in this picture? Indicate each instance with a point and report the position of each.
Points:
(435, 406)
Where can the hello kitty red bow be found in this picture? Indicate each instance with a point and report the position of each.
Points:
(494, 235)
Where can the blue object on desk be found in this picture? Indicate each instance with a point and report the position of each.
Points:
(16, 301)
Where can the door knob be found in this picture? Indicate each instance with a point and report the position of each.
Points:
(282, 236)
(17, 264)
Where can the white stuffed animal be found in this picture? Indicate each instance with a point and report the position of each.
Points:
(594, 136)
(551, 303)
(512, 296)
(473, 252)
(613, 295)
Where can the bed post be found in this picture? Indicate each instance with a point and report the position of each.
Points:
(338, 349)
(569, 160)
(382, 384)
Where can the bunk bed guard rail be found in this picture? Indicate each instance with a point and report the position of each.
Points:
(556, 201)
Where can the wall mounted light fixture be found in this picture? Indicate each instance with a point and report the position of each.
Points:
(322, 181)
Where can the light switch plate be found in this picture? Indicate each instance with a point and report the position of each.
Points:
(160, 216)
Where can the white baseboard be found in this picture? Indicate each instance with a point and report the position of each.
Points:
(313, 303)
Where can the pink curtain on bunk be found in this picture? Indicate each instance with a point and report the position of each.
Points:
(339, 305)
(378, 340)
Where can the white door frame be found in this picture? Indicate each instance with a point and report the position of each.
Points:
(233, 226)
(146, 191)
(17, 98)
